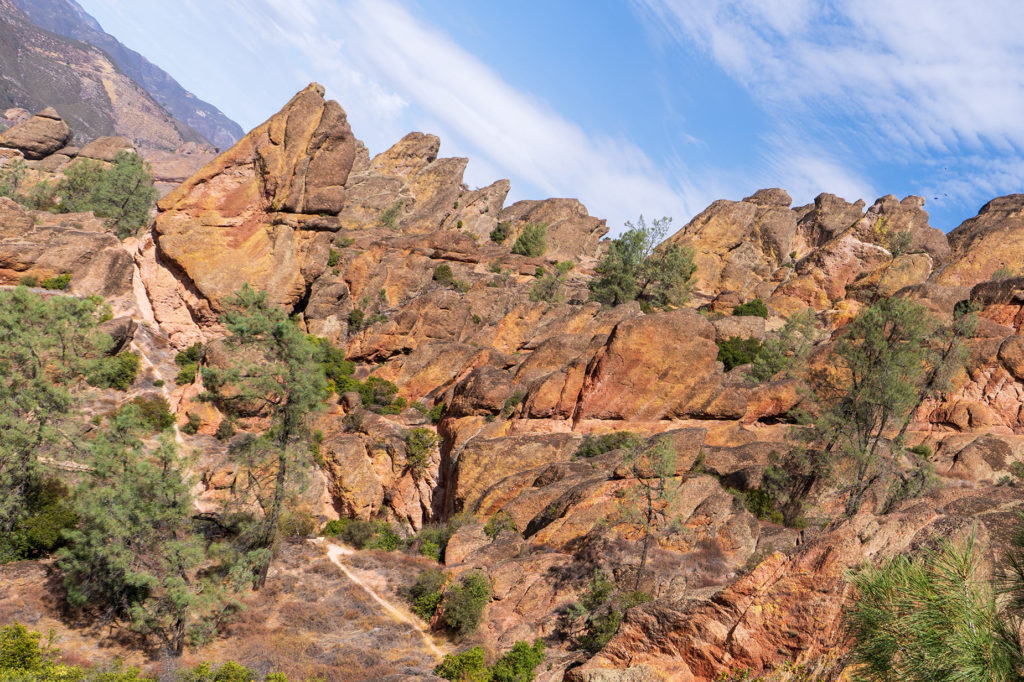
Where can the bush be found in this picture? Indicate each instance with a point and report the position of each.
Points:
(364, 534)
(225, 430)
(433, 538)
(122, 192)
(734, 351)
(636, 267)
(465, 666)
(29, 281)
(41, 531)
(436, 412)
(58, 283)
(464, 604)
(921, 450)
(592, 446)
(531, 241)
(377, 392)
(332, 258)
(511, 403)
(519, 663)
(19, 649)
(425, 595)
(188, 360)
(761, 504)
(356, 319)
(118, 371)
(192, 426)
(443, 274)
(389, 216)
(419, 446)
(502, 520)
(500, 233)
(786, 351)
(154, 412)
(755, 308)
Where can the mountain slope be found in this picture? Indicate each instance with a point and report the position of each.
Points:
(67, 18)
(40, 69)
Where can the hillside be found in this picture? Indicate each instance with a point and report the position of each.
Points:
(66, 18)
(40, 69)
(479, 393)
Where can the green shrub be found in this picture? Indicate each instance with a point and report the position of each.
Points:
(464, 604)
(921, 450)
(1002, 272)
(425, 596)
(154, 412)
(364, 534)
(500, 521)
(377, 392)
(761, 504)
(443, 274)
(755, 308)
(603, 608)
(187, 374)
(431, 549)
(122, 192)
(433, 538)
(519, 663)
(41, 531)
(58, 283)
(592, 446)
(465, 666)
(20, 650)
(356, 318)
(191, 355)
(436, 412)
(419, 446)
(637, 266)
(511, 403)
(29, 281)
(734, 351)
(332, 258)
(118, 371)
(225, 430)
(192, 426)
(531, 241)
(389, 216)
(500, 233)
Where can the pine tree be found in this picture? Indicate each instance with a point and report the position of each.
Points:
(46, 347)
(274, 373)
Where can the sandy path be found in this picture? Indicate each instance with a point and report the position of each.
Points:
(335, 552)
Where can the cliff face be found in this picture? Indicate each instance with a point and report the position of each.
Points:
(40, 69)
(67, 18)
(357, 246)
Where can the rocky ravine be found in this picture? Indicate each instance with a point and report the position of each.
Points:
(299, 208)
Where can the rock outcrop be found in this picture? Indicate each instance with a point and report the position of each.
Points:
(38, 136)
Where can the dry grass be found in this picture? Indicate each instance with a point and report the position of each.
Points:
(309, 621)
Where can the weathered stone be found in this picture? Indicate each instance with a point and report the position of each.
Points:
(39, 136)
(106, 148)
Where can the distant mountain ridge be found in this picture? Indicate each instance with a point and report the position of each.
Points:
(67, 18)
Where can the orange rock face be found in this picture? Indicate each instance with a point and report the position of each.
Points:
(242, 217)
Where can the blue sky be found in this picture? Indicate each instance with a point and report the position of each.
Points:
(635, 106)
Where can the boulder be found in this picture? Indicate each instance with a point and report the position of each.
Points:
(38, 136)
(106, 148)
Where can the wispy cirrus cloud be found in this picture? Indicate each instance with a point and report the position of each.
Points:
(909, 82)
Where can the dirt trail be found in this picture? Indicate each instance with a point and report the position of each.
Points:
(335, 552)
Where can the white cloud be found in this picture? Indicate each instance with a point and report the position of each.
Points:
(390, 70)
(921, 75)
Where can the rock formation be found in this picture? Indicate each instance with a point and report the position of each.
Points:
(391, 258)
